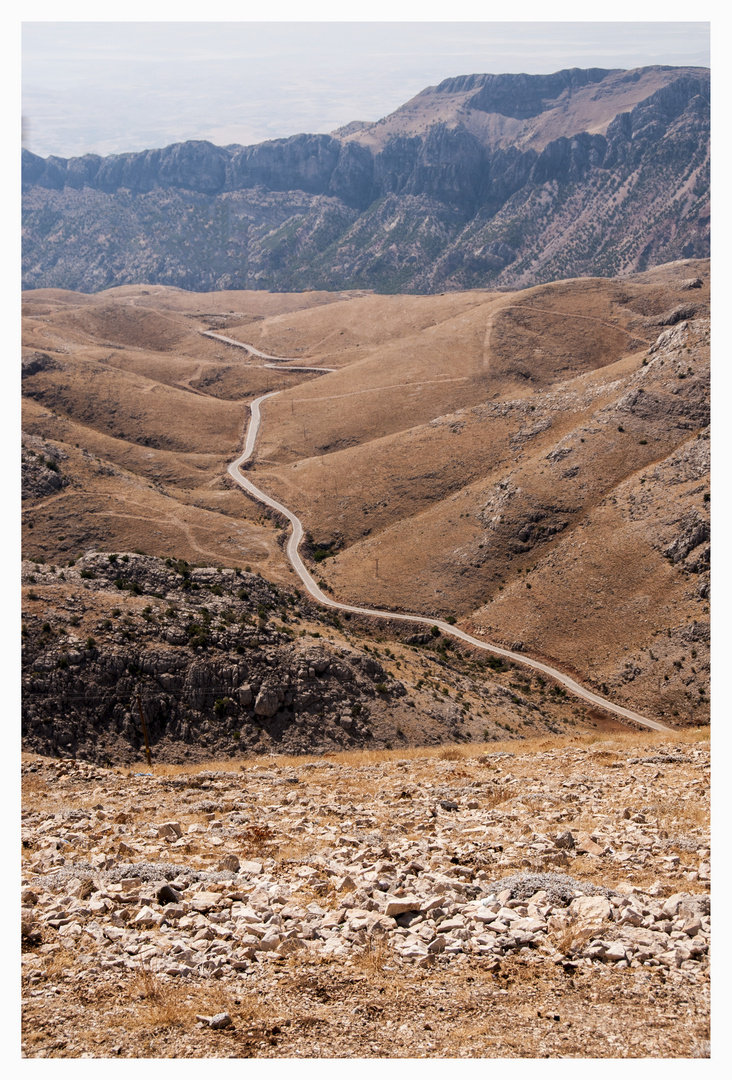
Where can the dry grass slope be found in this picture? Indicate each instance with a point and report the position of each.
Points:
(520, 460)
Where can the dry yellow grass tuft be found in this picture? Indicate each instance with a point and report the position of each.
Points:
(612, 746)
(375, 956)
(451, 754)
(58, 963)
(572, 938)
(157, 1003)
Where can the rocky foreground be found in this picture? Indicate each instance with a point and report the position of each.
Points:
(548, 901)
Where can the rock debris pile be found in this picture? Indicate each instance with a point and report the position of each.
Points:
(575, 857)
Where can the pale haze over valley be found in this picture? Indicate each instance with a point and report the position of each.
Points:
(106, 87)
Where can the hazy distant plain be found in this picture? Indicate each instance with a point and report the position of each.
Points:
(111, 87)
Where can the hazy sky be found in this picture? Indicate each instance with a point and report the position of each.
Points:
(106, 87)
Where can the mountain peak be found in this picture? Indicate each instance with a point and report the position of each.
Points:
(526, 110)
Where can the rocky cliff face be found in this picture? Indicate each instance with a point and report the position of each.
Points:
(212, 672)
(521, 96)
(223, 666)
(463, 208)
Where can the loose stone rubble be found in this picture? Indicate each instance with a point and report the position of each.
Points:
(579, 858)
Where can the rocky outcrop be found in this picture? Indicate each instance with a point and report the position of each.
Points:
(693, 531)
(213, 676)
(40, 468)
(33, 362)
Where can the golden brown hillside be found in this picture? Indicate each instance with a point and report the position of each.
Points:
(534, 463)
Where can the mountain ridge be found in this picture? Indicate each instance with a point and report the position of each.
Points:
(567, 95)
(609, 175)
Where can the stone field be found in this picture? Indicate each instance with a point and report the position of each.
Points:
(545, 898)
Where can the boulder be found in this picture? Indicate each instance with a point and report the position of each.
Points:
(269, 699)
(591, 911)
(398, 905)
(587, 846)
(146, 917)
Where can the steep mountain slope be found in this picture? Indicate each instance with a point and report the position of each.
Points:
(483, 181)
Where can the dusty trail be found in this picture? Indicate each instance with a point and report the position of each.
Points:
(254, 550)
(575, 315)
(186, 383)
(308, 581)
(379, 389)
(265, 356)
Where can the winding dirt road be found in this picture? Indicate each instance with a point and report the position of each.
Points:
(308, 581)
(265, 356)
(249, 348)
